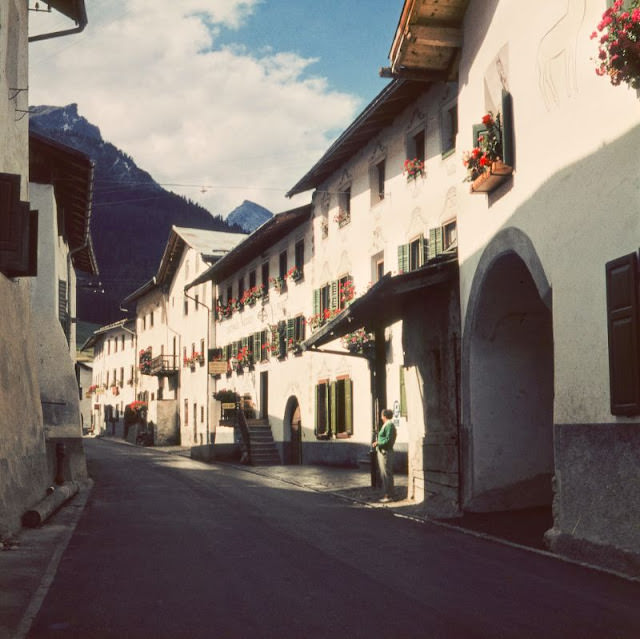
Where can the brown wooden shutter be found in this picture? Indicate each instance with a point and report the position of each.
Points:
(622, 318)
(18, 230)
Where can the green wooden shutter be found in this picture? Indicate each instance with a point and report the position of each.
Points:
(316, 301)
(623, 317)
(403, 394)
(348, 406)
(334, 298)
(291, 329)
(333, 405)
(257, 347)
(282, 338)
(508, 148)
(403, 258)
(316, 403)
(435, 242)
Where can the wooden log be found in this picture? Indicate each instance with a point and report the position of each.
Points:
(46, 507)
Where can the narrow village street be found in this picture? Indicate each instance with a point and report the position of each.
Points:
(168, 547)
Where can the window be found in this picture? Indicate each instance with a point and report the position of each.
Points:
(299, 256)
(377, 266)
(121, 379)
(295, 333)
(240, 286)
(202, 414)
(202, 351)
(265, 277)
(19, 245)
(282, 265)
(196, 297)
(449, 235)
(416, 148)
(376, 182)
(122, 342)
(413, 255)
(151, 319)
(252, 279)
(344, 206)
(623, 323)
(260, 346)
(346, 291)
(115, 344)
(108, 348)
(334, 409)
(449, 128)
(229, 294)
(63, 308)
(186, 306)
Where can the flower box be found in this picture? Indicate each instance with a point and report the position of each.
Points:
(492, 178)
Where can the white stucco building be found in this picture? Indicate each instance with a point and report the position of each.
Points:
(173, 336)
(548, 262)
(115, 376)
(25, 468)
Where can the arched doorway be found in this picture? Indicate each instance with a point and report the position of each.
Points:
(293, 425)
(509, 381)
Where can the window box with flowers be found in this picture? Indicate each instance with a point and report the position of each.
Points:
(279, 283)
(342, 217)
(294, 274)
(144, 361)
(413, 169)
(346, 292)
(359, 341)
(252, 295)
(486, 169)
(224, 311)
(294, 346)
(317, 320)
(619, 50)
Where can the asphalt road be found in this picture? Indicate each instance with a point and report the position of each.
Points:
(171, 548)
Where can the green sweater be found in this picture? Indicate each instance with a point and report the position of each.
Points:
(387, 436)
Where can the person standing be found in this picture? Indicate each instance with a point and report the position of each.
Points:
(384, 447)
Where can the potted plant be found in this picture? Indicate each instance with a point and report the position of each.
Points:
(619, 43)
(294, 273)
(413, 169)
(484, 163)
(342, 217)
(359, 341)
(279, 283)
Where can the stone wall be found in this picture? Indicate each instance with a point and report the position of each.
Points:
(24, 473)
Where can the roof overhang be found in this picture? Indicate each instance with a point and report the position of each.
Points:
(384, 303)
(380, 113)
(264, 237)
(428, 39)
(70, 172)
(127, 325)
(147, 287)
(74, 10)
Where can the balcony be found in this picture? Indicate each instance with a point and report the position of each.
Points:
(164, 365)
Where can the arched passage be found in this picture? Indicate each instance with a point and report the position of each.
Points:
(293, 427)
(509, 380)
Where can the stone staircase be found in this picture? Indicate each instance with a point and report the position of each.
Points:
(263, 448)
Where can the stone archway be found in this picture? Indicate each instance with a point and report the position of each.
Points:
(293, 432)
(508, 380)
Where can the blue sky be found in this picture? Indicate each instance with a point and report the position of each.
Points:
(350, 38)
(197, 91)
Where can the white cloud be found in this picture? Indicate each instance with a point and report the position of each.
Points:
(150, 75)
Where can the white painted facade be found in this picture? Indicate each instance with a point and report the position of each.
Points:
(535, 363)
(115, 377)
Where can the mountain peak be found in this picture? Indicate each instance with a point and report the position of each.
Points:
(249, 216)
